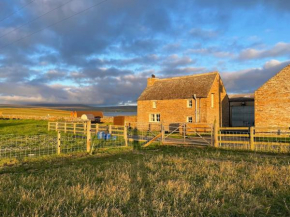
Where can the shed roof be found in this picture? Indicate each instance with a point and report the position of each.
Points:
(95, 113)
(180, 87)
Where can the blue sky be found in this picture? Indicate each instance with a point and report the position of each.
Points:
(105, 55)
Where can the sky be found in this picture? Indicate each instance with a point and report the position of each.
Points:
(102, 51)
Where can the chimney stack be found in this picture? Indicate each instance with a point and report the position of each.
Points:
(151, 81)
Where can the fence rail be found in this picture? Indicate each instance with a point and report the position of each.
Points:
(67, 137)
(273, 139)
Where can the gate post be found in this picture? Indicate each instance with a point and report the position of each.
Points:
(252, 141)
(74, 128)
(58, 143)
(216, 131)
(162, 134)
(89, 135)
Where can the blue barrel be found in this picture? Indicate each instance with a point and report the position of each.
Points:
(100, 135)
(107, 136)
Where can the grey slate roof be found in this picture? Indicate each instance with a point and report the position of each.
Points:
(180, 87)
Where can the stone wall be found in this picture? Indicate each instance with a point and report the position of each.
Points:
(272, 101)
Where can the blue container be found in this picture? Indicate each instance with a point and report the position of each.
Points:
(107, 136)
(101, 135)
(114, 138)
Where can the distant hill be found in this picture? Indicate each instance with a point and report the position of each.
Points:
(75, 107)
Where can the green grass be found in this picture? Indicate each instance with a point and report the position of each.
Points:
(161, 181)
(23, 127)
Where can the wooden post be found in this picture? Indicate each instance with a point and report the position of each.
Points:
(74, 128)
(162, 134)
(58, 142)
(216, 131)
(85, 127)
(89, 135)
(110, 129)
(184, 133)
(56, 126)
(65, 127)
(252, 141)
(125, 135)
(97, 128)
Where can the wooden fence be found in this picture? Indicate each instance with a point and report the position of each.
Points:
(275, 139)
(88, 129)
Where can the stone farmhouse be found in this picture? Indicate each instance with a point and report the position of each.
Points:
(272, 101)
(200, 99)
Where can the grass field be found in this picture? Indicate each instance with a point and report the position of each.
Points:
(159, 181)
(23, 127)
(35, 112)
(162, 181)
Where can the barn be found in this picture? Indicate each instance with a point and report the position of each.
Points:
(272, 101)
(242, 110)
(199, 98)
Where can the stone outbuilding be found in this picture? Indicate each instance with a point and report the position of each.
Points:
(200, 98)
(272, 101)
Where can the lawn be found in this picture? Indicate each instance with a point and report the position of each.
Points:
(161, 181)
(23, 127)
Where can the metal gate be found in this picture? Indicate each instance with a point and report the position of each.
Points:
(187, 134)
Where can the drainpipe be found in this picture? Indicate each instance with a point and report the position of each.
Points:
(195, 98)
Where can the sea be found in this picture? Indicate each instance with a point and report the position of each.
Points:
(113, 114)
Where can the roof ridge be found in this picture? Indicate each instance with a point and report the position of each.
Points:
(187, 76)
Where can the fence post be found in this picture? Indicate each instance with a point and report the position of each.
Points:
(216, 131)
(65, 127)
(58, 142)
(89, 135)
(162, 134)
(85, 127)
(110, 129)
(184, 132)
(252, 141)
(74, 128)
(125, 135)
(56, 126)
(97, 128)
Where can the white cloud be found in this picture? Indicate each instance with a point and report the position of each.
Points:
(280, 49)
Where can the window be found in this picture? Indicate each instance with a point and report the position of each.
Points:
(189, 103)
(154, 104)
(189, 119)
(212, 100)
(154, 118)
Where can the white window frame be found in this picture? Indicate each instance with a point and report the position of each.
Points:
(188, 119)
(212, 100)
(154, 104)
(189, 103)
(154, 118)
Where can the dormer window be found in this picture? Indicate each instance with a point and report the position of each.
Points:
(189, 103)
